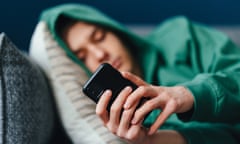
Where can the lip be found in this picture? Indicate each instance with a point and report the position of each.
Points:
(117, 63)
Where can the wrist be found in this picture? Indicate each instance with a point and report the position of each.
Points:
(187, 100)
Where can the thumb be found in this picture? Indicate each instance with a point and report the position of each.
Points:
(135, 79)
(167, 111)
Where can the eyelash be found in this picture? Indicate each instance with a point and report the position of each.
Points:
(95, 37)
(79, 55)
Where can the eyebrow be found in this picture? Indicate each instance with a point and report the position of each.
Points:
(93, 32)
(88, 37)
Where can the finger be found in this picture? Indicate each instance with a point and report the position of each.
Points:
(125, 121)
(138, 81)
(101, 108)
(144, 110)
(167, 111)
(135, 132)
(139, 94)
(117, 106)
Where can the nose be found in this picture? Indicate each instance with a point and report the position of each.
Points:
(98, 52)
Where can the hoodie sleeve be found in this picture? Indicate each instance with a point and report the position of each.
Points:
(210, 64)
(207, 63)
(216, 89)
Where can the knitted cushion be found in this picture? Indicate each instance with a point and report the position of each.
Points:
(76, 110)
(26, 112)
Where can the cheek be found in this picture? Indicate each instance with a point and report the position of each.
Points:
(91, 64)
(128, 66)
(113, 44)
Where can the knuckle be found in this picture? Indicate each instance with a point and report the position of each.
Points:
(151, 103)
(165, 94)
(121, 134)
(114, 108)
(112, 129)
(99, 112)
(138, 113)
(142, 89)
(132, 137)
(125, 113)
(173, 103)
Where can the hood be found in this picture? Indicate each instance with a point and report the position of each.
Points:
(145, 52)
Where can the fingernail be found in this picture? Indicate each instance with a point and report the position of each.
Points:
(126, 105)
(150, 132)
(134, 121)
(128, 88)
(107, 92)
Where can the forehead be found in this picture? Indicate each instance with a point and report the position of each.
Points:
(80, 28)
(78, 33)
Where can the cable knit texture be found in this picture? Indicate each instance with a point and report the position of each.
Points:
(26, 112)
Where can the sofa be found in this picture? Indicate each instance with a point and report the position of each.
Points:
(27, 110)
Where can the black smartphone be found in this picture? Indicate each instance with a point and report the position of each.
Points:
(106, 77)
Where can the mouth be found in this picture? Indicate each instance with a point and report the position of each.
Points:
(116, 63)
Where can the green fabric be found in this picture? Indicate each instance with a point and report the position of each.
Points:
(180, 52)
(88, 14)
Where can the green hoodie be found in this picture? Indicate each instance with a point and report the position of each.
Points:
(180, 52)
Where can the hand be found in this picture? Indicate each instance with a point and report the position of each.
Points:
(118, 120)
(176, 99)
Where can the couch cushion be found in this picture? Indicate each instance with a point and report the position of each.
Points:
(26, 108)
(77, 111)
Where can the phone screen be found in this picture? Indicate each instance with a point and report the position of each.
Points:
(106, 77)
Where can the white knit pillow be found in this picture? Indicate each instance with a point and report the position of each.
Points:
(77, 111)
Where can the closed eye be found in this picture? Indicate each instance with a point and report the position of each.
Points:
(98, 35)
(81, 54)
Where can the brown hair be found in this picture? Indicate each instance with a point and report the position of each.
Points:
(63, 24)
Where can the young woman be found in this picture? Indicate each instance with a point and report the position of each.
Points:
(188, 72)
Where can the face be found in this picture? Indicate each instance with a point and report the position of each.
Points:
(94, 45)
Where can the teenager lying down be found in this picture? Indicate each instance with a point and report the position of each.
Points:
(188, 72)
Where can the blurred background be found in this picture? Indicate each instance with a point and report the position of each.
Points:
(19, 18)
